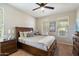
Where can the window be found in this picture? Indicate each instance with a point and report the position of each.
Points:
(62, 27)
(52, 26)
(1, 23)
(45, 28)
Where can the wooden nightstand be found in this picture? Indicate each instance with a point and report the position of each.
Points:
(8, 47)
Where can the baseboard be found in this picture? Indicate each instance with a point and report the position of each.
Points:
(66, 43)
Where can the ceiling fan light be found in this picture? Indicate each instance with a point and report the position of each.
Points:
(42, 8)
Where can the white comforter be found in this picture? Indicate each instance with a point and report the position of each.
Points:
(42, 42)
(48, 40)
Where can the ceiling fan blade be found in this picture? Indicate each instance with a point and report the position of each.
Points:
(41, 4)
(45, 3)
(49, 7)
(36, 8)
(38, 4)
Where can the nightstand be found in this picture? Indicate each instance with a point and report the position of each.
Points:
(8, 47)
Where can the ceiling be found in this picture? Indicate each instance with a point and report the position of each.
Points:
(59, 8)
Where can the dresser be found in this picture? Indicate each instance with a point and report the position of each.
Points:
(76, 44)
(8, 47)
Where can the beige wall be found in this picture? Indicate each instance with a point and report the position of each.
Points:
(14, 17)
(72, 25)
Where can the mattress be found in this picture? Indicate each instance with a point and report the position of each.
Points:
(41, 42)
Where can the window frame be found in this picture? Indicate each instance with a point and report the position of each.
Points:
(60, 19)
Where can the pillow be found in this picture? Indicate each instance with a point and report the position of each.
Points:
(25, 34)
(21, 34)
(30, 34)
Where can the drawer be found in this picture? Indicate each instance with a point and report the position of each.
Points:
(75, 48)
(9, 46)
(76, 40)
(76, 44)
(75, 53)
(9, 42)
(9, 51)
(13, 49)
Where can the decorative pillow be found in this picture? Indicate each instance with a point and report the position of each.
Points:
(30, 34)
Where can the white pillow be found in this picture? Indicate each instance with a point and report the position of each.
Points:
(21, 34)
(25, 34)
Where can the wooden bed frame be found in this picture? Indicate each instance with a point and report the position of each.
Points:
(35, 51)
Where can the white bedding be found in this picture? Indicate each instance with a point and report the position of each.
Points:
(41, 42)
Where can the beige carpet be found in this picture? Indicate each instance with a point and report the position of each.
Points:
(63, 50)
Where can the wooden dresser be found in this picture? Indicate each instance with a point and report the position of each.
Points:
(76, 44)
(8, 47)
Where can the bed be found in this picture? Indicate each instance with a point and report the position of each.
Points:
(37, 45)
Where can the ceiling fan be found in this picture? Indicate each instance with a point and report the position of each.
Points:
(42, 6)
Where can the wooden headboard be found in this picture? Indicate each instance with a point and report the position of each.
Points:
(22, 29)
